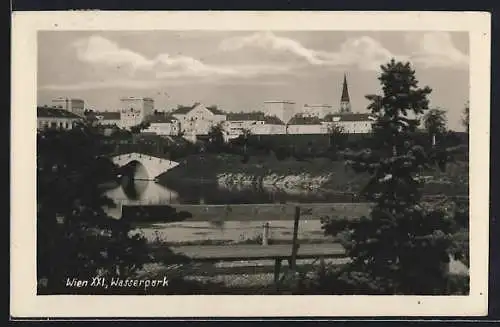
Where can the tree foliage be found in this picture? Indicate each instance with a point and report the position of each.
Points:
(216, 136)
(337, 137)
(75, 236)
(402, 246)
(136, 129)
(435, 122)
(465, 117)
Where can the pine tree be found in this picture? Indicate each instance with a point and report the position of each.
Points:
(402, 247)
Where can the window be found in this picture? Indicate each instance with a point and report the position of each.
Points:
(53, 124)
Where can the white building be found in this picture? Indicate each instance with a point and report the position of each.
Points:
(316, 110)
(272, 125)
(76, 106)
(284, 110)
(134, 110)
(108, 118)
(198, 119)
(56, 118)
(351, 122)
(306, 125)
(163, 124)
(257, 123)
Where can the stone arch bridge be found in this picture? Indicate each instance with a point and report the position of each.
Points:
(145, 167)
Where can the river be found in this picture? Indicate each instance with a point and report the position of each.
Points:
(153, 193)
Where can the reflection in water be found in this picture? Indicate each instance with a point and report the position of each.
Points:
(134, 189)
(142, 192)
(149, 193)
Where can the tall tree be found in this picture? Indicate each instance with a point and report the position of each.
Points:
(435, 123)
(216, 136)
(465, 117)
(75, 236)
(402, 246)
(337, 137)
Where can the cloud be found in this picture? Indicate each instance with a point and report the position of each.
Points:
(363, 52)
(366, 53)
(436, 49)
(108, 84)
(128, 83)
(101, 51)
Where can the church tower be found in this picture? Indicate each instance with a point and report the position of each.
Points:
(345, 103)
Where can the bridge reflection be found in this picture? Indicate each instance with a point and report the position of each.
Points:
(143, 192)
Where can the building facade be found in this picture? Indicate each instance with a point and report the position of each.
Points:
(56, 118)
(316, 110)
(134, 110)
(256, 123)
(108, 118)
(163, 124)
(272, 126)
(306, 125)
(284, 110)
(198, 119)
(352, 123)
(75, 106)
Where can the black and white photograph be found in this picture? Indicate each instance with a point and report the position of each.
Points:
(256, 161)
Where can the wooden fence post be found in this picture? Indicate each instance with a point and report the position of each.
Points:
(295, 245)
(265, 234)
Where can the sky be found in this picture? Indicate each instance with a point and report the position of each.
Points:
(238, 71)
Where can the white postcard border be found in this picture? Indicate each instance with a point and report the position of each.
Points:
(25, 302)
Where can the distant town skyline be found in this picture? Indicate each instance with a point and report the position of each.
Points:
(239, 71)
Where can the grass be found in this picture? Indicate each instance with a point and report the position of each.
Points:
(261, 212)
(207, 167)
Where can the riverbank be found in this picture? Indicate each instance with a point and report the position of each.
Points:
(291, 175)
(219, 214)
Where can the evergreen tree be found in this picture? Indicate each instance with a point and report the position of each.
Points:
(402, 247)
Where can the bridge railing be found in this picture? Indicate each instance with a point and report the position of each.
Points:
(151, 150)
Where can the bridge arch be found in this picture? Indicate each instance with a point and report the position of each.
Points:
(145, 167)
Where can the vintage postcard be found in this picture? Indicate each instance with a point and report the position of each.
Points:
(250, 164)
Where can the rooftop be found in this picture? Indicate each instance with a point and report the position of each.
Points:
(301, 120)
(348, 117)
(108, 115)
(160, 117)
(215, 110)
(273, 120)
(50, 112)
(254, 115)
(182, 110)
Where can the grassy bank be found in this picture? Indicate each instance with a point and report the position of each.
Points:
(322, 173)
(243, 212)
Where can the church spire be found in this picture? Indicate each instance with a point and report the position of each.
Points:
(345, 103)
